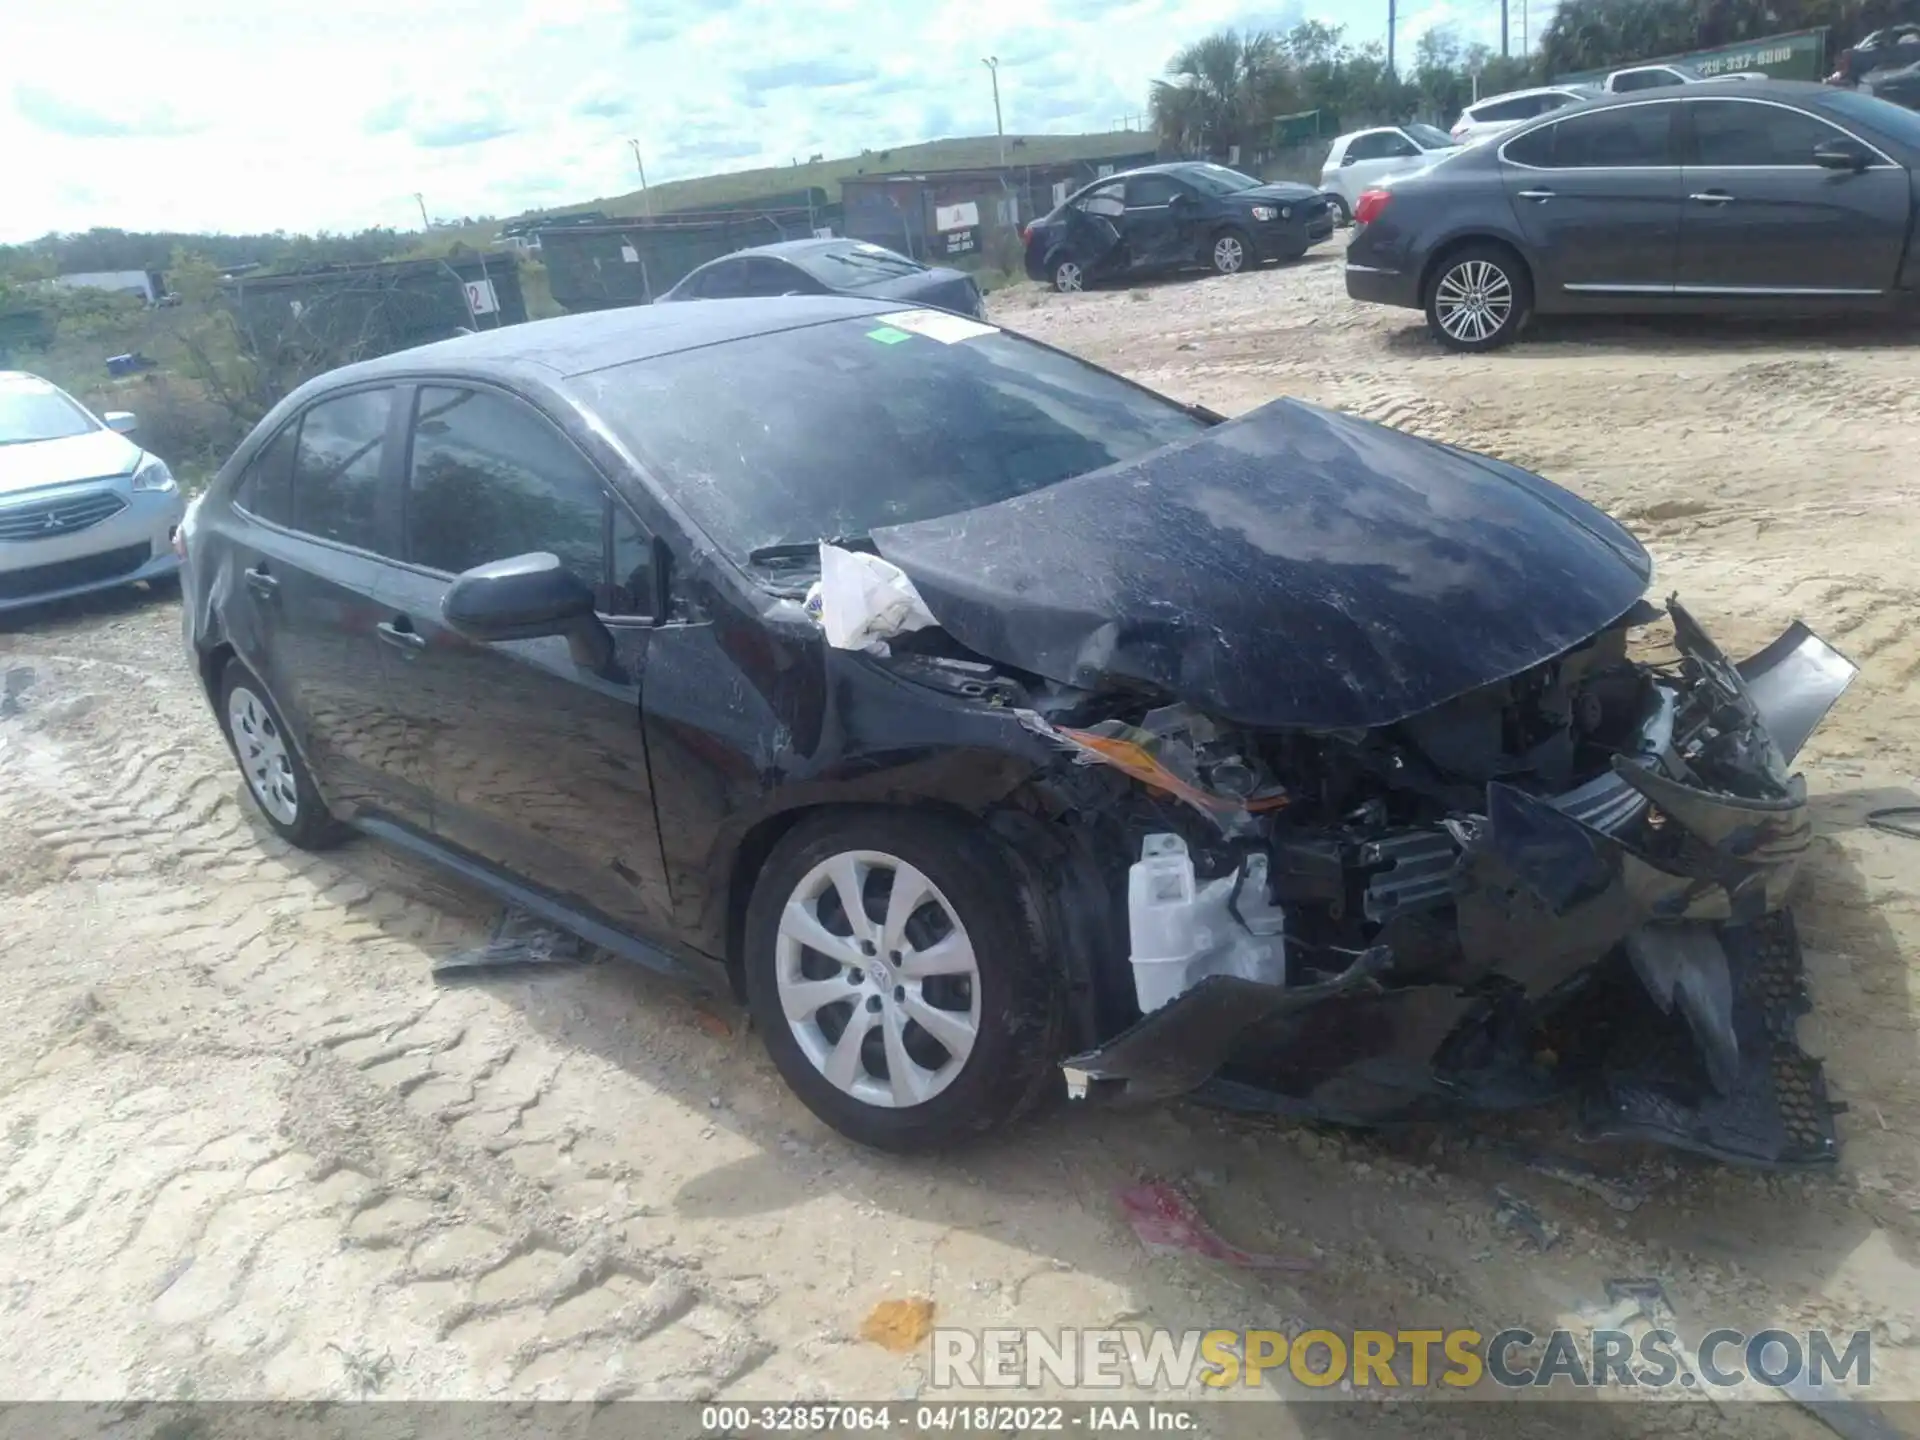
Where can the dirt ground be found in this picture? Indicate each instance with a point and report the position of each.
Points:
(252, 1150)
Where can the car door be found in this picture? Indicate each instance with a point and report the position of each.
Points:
(537, 760)
(322, 521)
(1598, 196)
(1763, 217)
(1158, 222)
(1094, 225)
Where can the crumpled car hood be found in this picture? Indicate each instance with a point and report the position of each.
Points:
(1294, 567)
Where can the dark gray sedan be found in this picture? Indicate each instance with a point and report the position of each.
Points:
(830, 267)
(1769, 195)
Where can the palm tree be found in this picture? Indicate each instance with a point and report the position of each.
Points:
(1212, 98)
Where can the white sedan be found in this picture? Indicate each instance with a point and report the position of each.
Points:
(81, 506)
(1361, 160)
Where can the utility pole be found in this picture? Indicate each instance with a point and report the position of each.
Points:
(1505, 27)
(420, 200)
(646, 200)
(1393, 24)
(992, 62)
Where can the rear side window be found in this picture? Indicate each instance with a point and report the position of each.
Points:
(266, 489)
(1737, 132)
(1629, 136)
(336, 472)
(1523, 108)
(1644, 80)
(1534, 148)
(491, 479)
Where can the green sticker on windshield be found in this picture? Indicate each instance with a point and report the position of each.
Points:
(887, 335)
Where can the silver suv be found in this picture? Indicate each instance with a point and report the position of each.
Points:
(81, 506)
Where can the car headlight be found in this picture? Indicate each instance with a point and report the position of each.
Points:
(1264, 212)
(152, 474)
(1286, 212)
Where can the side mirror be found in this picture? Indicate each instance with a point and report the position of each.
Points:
(121, 422)
(1346, 159)
(1842, 153)
(524, 598)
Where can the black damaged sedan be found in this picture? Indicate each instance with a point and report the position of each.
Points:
(988, 722)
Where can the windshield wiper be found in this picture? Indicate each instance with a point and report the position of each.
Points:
(782, 556)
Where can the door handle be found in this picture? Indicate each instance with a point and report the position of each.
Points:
(401, 639)
(1712, 197)
(262, 584)
(1536, 195)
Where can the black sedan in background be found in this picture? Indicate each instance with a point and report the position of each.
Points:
(978, 715)
(830, 267)
(1174, 217)
(1771, 195)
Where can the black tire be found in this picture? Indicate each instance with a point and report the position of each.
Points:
(311, 825)
(1342, 212)
(1013, 1062)
(1231, 252)
(1504, 290)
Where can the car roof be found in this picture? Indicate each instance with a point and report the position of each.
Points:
(577, 344)
(811, 245)
(1791, 90)
(1568, 89)
(1370, 130)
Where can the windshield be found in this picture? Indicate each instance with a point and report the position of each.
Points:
(1889, 119)
(39, 412)
(851, 266)
(1429, 138)
(1216, 179)
(832, 431)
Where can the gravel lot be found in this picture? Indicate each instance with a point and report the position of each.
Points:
(251, 1149)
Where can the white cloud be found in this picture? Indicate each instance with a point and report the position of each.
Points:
(233, 116)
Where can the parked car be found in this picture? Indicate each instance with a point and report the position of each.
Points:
(980, 716)
(1173, 217)
(830, 267)
(81, 506)
(1358, 161)
(1670, 72)
(1764, 196)
(1498, 113)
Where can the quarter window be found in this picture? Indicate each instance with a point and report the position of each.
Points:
(336, 471)
(1616, 138)
(1736, 133)
(489, 479)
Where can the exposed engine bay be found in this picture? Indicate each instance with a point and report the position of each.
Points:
(1571, 880)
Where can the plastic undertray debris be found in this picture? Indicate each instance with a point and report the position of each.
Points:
(1776, 1113)
(519, 941)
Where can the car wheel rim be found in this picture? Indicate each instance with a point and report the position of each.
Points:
(1067, 277)
(1227, 255)
(1473, 300)
(263, 755)
(878, 980)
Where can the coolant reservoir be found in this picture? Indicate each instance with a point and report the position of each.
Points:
(1181, 931)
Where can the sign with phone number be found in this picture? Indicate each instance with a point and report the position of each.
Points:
(1799, 55)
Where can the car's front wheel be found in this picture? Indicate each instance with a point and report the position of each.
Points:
(897, 979)
(1232, 252)
(277, 777)
(1478, 298)
(1342, 212)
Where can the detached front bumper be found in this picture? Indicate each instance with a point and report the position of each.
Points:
(1632, 933)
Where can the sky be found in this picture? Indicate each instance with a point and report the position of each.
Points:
(237, 116)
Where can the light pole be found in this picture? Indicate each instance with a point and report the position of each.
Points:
(992, 62)
(646, 200)
(421, 201)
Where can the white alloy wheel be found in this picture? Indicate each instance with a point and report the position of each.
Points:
(1473, 300)
(877, 979)
(1067, 277)
(1229, 254)
(263, 755)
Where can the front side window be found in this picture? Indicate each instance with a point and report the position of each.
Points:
(1625, 137)
(1152, 190)
(490, 479)
(337, 467)
(833, 430)
(1740, 133)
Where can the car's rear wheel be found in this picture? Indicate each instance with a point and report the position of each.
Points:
(1069, 277)
(1342, 212)
(1232, 252)
(277, 778)
(897, 979)
(1478, 298)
